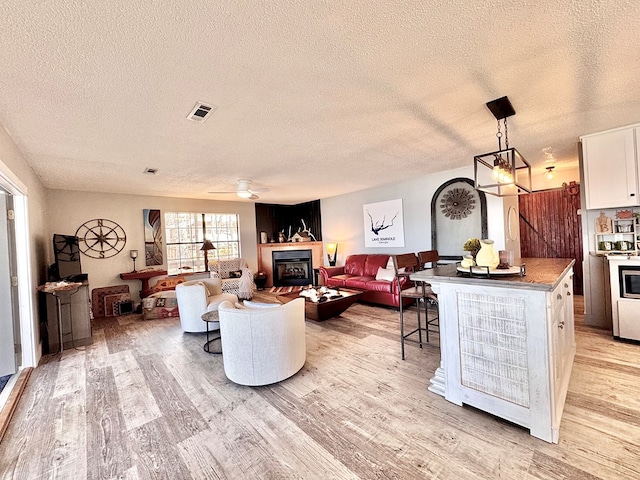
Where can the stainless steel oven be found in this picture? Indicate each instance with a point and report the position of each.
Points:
(629, 282)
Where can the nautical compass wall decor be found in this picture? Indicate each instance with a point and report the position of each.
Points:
(101, 238)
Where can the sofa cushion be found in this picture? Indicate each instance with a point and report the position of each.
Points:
(355, 264)
(206, 288)
(214, 302)
(380, 286)
(358, 282)
(373, 262)
(338, 280)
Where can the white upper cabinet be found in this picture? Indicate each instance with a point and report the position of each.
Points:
(611, 168)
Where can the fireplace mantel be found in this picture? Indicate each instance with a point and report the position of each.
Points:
(265, 250)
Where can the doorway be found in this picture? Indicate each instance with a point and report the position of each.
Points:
(9, 324)
(550, 227)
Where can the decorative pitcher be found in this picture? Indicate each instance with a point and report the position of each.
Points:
(487, 255)
(467, 261)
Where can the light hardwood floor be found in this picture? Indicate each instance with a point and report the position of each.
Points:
(145, 401)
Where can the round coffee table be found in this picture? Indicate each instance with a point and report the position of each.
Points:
(211, 317)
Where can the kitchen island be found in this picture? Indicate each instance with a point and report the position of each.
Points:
(507, 341)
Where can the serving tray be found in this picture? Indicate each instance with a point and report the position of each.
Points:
(486, 272)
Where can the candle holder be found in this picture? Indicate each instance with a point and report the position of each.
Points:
(133, 254)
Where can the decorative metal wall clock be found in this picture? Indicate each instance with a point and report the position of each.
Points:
(101, 238)
(457, 203)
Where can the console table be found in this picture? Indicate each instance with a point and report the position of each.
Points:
(144, 277)
(76, 324)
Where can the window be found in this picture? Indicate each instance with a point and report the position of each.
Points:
(185, 233)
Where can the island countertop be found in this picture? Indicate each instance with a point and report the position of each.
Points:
(541, 274)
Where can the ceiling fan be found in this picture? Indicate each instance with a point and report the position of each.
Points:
(243, 190)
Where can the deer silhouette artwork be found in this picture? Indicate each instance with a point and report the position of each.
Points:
(377, 227)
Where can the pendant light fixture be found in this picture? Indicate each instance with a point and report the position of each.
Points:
(505, 172)
(549, 174)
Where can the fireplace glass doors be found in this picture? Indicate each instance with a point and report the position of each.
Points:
(292, 267)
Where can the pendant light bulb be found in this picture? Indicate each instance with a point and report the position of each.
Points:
(495, 172)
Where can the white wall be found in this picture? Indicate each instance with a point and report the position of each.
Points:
(70, 209)
(342, 218)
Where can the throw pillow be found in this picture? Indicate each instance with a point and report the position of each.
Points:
(206, 289)
(250, 304)
(385, 274)
(235, 274)
(392, 266)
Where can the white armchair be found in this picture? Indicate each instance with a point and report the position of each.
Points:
(262, 345)
(197, 297)
(236, 276)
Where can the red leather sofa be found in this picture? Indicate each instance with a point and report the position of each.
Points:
(359, 272)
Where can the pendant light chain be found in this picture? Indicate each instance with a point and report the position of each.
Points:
(499, 135)
(506, 133)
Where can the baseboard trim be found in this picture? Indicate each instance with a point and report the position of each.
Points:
(12, 401)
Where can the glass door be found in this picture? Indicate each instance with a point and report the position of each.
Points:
(9, 326)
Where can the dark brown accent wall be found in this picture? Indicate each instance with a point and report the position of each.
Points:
(274, 218)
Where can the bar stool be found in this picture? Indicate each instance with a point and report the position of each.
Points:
(405, 264)
(429, 259)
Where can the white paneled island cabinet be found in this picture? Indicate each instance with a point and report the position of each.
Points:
(507, 342)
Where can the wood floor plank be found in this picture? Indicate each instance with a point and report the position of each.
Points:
(68, 456)
(107, 447)
(97, 354)
(182, 417)
(28, 441)
(156, 453)
(545, 467)
(117, 337)
(269, 443)
(137, 402)
(608, 385)
(71, 378)
(585, 432)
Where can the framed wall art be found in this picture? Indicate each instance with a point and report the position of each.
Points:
(383, 224)
(153, 248)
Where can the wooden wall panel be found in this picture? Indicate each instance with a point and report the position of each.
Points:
(550, 227)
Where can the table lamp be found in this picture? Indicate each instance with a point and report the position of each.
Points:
(332, 253)
(206, 246)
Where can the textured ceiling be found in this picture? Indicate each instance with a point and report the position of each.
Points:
(314, 99)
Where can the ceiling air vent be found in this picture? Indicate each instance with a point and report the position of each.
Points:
(201, 112)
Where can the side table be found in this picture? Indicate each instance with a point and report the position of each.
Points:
(260, 279)
(144, 277)
(209, 318)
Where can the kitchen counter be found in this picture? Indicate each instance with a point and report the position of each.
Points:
(541, 274)
(507, 342)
